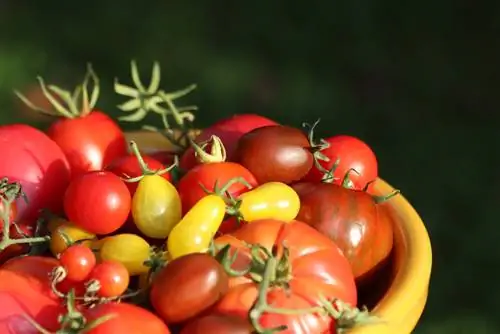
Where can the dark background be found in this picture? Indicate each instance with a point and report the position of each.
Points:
(417, 80)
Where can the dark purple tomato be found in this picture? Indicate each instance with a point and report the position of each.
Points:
(218, 324)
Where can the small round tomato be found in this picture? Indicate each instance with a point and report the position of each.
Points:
(203, 177)
(129, 249)
(113, 278)
(98, 202)
(273, 200)
(156, 207)
(350, 153)
(197, 228)
(66, 235)
(218, 324)
(78, 261)
(172, 290)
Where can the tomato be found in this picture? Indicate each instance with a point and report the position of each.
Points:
(124, 319)
(191, 185)
(273, 200)
(350, 153)
(38, 164)
(172, 290)
(98, 202)
(25, 290)
(78, 261)
(218, 324)
(112, 278)
(351, 218)
(156, 207)
(276, 153)
(164, 157)
(306, 267)
(67, 234)
(195, 231)
(129, 249)
(230, 225)
(229, 130)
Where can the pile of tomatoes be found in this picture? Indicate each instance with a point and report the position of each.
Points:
(249, 227)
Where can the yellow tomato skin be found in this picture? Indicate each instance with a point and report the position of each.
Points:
(58, 243)
(272, 200)
(156, 207)
(196, 230)
(129, 249)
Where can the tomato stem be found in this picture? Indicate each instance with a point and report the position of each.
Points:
(316, 148)
(384, 198)
(217, 150)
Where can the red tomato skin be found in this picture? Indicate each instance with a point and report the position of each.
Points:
(37, 162)
(353, 154)
(128, 319)
(89, 143)
(99, 202)
(318, 267)
(229, 130)
(191, 192)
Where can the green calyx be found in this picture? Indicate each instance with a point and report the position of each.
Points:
(316, 147)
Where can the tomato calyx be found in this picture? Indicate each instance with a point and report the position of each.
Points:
(145, 170)
(217, 150)
(316, 147)
(232, 204)
(78, 103)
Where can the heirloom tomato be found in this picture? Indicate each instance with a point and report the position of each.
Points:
(217, 324)
(129, 249)
(346, 153)
(352, 219)
(197, 228)
(98, 202)
(110, 277)
(302, 269)
(193, 185)
(78, 261)
(66, 235)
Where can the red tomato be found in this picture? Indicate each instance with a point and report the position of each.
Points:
(128, 166)
(229, 131)
(229, 225)
(207, 175)
(90, 142)
(218, 324)
(352, 154)
(78, 261)
(25, 290)
(113, 278)
(98, 202)
(316, 268)
(164, 157)
(33, 159)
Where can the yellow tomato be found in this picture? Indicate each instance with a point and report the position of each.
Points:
(156, 206)
(195, 231)
(67, 234)
(129, 249)
(55, 222)
(96, 246)
(273, 200)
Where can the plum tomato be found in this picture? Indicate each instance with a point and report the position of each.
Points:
(203, 177)
(350, 153)
(229, 131)
(78, 261)
(187, 286)
(129, 249)
(66, 235)
(217, 324)
(352, 219)
(110, 277)
(276, 153)
(98, 202)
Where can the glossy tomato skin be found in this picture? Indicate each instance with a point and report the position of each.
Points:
(129, 249)
(99, 202)
(275, 153)
(37, 162)
(351, 218)
(113, 278)
(352, 153)
(318, 267)
(208, 175)
(188, 286)
(218, 324)
(90, 143)
(127, 319)
(229, 130)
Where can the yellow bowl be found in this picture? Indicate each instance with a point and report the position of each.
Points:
(403, 303)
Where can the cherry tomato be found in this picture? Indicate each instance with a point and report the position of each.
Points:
(156, 207)
(195, 231)
(273, 200)
(98, 202)
(113, 278)
(351, 154)
(78, 261)
(129, 249)
(172, 290)
(67, 234)
(218, 324)
(191, 185)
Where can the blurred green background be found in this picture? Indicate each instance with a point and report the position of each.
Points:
(417, 80)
